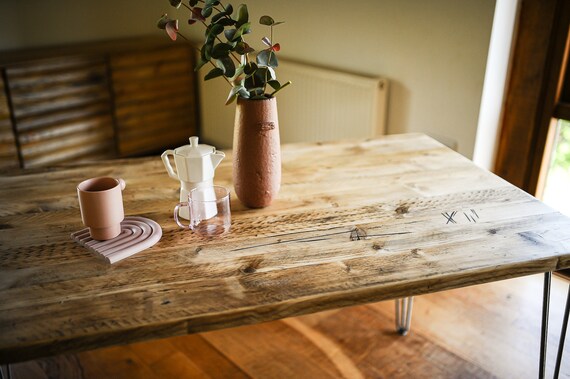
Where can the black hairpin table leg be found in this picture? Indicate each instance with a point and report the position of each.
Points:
(562, 337)
(544, 330)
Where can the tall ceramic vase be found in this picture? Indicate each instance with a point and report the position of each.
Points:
(256, 152)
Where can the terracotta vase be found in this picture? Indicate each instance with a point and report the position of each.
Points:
(256, 152)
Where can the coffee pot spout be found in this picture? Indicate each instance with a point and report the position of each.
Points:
(217, 158)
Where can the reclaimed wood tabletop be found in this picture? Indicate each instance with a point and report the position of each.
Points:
(355, 222)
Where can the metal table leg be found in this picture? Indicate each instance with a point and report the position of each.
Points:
(562, 337)
(404, 314)
(544, 330)
(8, 371)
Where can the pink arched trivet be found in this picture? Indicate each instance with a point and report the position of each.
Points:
(137, 234)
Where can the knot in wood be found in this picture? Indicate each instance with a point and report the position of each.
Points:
(378, 245)
(402, 209)
(248, 270)
(358, 234)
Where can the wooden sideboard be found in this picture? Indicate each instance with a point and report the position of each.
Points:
(104, 99)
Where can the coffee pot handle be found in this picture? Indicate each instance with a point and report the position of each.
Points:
(167, 164)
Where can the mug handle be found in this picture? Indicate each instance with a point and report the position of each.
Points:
(176, 208)
(167, 164)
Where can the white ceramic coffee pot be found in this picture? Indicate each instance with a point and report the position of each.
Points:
(195, 165)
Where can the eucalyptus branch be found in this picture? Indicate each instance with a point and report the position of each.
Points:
(200, 51)
(250, 76)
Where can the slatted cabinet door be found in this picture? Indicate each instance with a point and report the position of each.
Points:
(8, 151)
(155, 98)
(62, 109)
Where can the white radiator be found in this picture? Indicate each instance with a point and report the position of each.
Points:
(320, 105)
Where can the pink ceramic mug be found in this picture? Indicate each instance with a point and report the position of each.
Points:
(101, 204)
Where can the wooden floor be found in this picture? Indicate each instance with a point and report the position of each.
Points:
(484, 331)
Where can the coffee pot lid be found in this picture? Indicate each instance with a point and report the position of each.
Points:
(195, 150)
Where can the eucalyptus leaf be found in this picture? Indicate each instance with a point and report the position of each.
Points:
(272, 74)
(249, 69)
(249, 77)
(197, 14)
(266, 41)
(274, 84)
(243, 29)
(267, 58)
(175, 3)
(243, 15)
(215, 29)
(266, 20)
(227, 65)
(243, 48)
(206, 51)
(172, 29)
(221, 50)
(162, 21)
(257, 80)
(280, 88)
(235, 92)
(239, 71)
(207, 11)
(229, 34)
(226, 22)
(214, 73)
(217, 17)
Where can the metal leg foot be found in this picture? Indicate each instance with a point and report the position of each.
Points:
(562, 337)
(8, 371)
(544, 330)
(404, 314)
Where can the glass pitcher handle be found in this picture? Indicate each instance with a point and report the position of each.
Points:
(176, 208)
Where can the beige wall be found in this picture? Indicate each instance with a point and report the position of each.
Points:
(433, 52)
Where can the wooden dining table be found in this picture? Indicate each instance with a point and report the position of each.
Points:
(355, 222)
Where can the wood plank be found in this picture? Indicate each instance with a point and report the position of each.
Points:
(81, 75)
(155, 86)
(484, 331)
(8, 152)
(149, 104)
(152, 139)
(153, 89)
(85, 112)
(162, 70)
(61, 103)
(74, 152)
(150, 57)
(39, 66)
(433, 221)
(102, 123)
(173, 117)
(532, 90)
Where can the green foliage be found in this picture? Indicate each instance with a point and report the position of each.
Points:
(250, 74)
(562, 153)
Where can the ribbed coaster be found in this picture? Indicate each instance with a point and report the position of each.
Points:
(137, 234)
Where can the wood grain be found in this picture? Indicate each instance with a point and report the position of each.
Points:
(535, 76)
(480, 332)
(355, 222)
(155, 99)
(8, 151)
(96, 100)
(62, 109)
